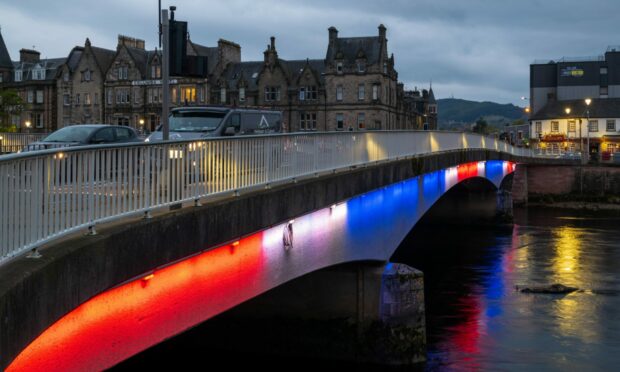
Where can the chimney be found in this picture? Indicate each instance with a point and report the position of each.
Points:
(130, 42)
(273, 43)
(381, 32)
(333, 35)
(29, 55)
(271, 56)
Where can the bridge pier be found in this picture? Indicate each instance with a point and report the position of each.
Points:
(360, 312)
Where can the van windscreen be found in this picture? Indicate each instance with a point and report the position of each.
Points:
(195, 121)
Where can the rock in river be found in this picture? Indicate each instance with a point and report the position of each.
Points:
(549, 289)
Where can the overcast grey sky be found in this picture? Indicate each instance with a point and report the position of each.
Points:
(472, 49)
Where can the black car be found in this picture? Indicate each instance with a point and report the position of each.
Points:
(85, 134)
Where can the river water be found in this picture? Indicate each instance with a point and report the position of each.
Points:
(478, 320)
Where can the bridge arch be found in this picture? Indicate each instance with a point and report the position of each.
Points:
(145, 309)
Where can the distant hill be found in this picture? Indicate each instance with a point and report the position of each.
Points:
(459, 113)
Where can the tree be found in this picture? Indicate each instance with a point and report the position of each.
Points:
(10, 104)
(481, 126)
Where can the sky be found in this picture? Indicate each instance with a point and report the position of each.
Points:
(472, 49)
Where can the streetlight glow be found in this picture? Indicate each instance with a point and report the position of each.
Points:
(567, 110)
(28, 123)
(588, 101)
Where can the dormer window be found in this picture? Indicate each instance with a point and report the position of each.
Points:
(339, 68)
(122, 72)
(86, 76)
(38, 73)
(361, 66)
(156, 71)
(18, 75)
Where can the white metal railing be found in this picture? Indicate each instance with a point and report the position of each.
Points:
(14, 142)
(47, 194)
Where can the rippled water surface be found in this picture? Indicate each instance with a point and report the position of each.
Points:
(478, 320)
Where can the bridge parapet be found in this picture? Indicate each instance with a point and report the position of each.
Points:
(48, 194)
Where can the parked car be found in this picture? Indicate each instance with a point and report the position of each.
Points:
(216, 121)
(85, 134)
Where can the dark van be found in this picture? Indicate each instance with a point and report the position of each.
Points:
(203, 122)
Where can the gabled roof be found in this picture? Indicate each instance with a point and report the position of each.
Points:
(350, 48)
(599, 108)
(140, 57)
(431, 97)
(104, 57)
(5, 58)
(74, 58)
(296, 67)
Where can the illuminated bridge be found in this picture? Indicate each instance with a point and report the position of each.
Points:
(106, 251)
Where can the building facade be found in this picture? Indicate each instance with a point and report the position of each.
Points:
(561, 121)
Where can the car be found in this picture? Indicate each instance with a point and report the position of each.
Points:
(85, 134)
(216, 121)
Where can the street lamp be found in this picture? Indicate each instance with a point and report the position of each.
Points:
(567, 110)
(28, 125)
(588, 101)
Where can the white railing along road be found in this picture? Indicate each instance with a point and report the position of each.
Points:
(48, 194)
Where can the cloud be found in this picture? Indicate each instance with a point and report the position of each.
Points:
(475, 49)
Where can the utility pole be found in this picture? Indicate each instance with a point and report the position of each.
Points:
(165, 52)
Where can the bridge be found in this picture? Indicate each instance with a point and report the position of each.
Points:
(108, 250)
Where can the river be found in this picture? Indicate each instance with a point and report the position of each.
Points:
(478, 320)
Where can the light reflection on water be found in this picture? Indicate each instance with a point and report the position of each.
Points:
(478, 320)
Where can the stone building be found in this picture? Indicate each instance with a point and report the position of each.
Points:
(34, 79)
(80, 85)
(354, 88)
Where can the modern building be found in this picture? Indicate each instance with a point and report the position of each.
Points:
(560, 119)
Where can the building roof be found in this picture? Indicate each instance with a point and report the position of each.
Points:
(210, 52)
(5, 58)
(599, 108)
(50, 65)
(104, 57)
(350, 49)
(73, 59)
(296, 67)
(249, 71)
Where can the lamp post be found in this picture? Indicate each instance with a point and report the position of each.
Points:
(28, 125)
(588, 101)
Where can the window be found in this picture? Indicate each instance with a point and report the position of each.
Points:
(66, 100)
(603, 70)
(593, 125)
(122, 96)
(611, 125)
(122, 72)
(361, 67)
(538, 127)
(18, 75)
(339, 121)
(77, 99)
(242, 94)
(571, 126)
(612, 147)
(65, 76)
(339, 93)
(39, 96)
(86, 75)
(173, 95)
(188, 94)
(339, 68)
(110, 96)
(385, 67)
(312, 93)
(223, 95)
(375, 92)
(604, 91)
(37, 120)
(555, 126)
(104, 135)
(272, 94)
(123, 134)
(87, 99)
(30, 96)
(361, 92)
(96, 101)
(361, 121)
(307, 121)
(302, 93)
(38, 74)
(155, 72)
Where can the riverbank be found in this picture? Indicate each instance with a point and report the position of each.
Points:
(575, 202)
